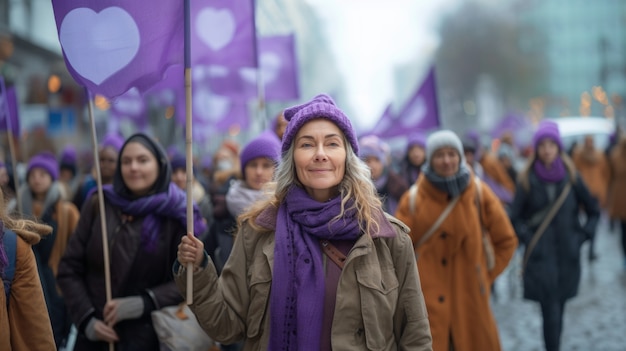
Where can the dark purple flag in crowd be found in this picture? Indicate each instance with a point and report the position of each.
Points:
(111, 46)
(9, 113)
(223, 33)
(420, 112)
(384, 122)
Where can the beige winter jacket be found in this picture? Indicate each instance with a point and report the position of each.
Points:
(379, 306)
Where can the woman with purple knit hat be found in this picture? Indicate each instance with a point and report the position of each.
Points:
(318, 257)
(146, 217)
(545, 213)
(42, 198)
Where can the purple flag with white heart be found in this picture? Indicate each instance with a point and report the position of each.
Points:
(110, 46)
(223, 33)
(213, 114)
(9, 113)
(420, 113)
(130, 106)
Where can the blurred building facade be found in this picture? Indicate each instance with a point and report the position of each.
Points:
(586, 48)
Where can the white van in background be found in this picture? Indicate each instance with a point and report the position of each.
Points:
(574, 129)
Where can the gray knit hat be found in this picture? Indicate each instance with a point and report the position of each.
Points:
(443, 138)
(321, 106)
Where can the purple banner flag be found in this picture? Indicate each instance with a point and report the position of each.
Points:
(9, 112)
(130, 106)
(279, 71)
(384, 122)
(110, 46)
(420, 113)
(213, 114)
(223, 33)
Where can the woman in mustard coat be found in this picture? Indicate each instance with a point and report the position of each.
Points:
(452, 261)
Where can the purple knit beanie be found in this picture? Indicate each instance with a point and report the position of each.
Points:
(372, 146)
(178, 160)
(45, 161)
(321, 106)
(68, 156)
(263, 146)
(548, 129)
(416, 139)
(112, 140)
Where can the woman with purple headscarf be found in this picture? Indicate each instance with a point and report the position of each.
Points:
(552, 261)
(146, 217)
(319, 257)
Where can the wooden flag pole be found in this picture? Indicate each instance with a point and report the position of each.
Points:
(188, 142)
(103, 222)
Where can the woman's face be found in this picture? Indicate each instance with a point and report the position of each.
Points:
(108, 163)
(179, 177)
(258, 172)
(417, 155)
(39, 181)
(547, 151)
(376, 166)
(320, 158)
(140, 168)
(445, 161)
(4, 176)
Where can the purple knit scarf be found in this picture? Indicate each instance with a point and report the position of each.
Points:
(170, 204)
(554, 174)
(297, 294)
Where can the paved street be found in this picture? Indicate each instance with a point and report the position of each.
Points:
(595, 320)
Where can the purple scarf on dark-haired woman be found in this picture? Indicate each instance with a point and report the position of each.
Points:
(170, 204)
(297, 295)
(555, 173)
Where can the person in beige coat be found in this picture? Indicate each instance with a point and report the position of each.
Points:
(317, 266)
(24, 321)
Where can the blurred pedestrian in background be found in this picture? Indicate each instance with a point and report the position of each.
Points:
(616, 202)
(42, 199)
(68, 171)
(341, 267)
(389, 184)
(449, 214)
(410, 167)
(146, 217)
(24, 321)
(594, 170)
(545, 214)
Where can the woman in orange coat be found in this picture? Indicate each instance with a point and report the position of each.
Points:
(452, 261)
(24, 322)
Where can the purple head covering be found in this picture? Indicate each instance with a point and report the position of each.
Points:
(416, 139)
(68, 156)
(548, 129)
(321, 106)
(178, 160)
(372, 146)
(263, 146)
(112, 140)
(45, 161)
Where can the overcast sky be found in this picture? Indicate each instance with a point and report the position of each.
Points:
(369, 37)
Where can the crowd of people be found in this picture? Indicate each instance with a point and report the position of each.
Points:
(307, 237)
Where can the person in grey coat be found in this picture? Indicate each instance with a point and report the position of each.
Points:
(552, 266)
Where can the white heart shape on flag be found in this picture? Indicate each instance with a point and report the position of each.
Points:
(215, 27)
(97, 45)
(415, 113)
(271, 65)
(130, 103)
(210, 107)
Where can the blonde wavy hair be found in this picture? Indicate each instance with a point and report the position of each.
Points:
(31, 231)
(356, 186)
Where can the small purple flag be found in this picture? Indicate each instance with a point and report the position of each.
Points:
(110, 46)
(223, 33)
(130, 106)
(9, 112)
(420, 113)
(384, 122)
